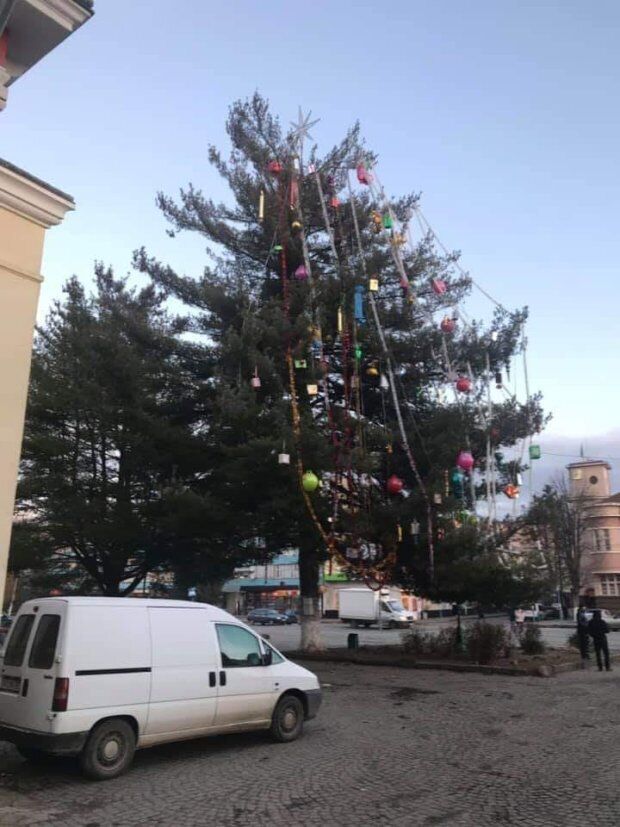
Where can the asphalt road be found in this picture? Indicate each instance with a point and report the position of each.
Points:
(389, 747)
(335, 634)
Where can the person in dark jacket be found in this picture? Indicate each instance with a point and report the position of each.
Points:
(598, 631)
(582, 633)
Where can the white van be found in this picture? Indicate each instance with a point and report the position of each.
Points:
(99, 677)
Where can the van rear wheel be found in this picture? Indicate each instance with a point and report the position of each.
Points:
(109, 750)
(288, 719)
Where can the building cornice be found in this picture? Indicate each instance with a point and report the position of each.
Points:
(67, 13)
(34, 199)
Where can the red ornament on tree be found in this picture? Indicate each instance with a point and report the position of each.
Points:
(334, 202)
(463, 384)
(439, 286)
(394, 484)
(511, 491)
(301, 273)
(274, 167)
(363, 176)
(448, 325)
(465, 460)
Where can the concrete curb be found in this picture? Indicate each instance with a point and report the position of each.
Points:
(545, 670)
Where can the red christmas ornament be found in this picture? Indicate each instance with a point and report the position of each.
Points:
(274, 167)
(448, 325)
(465, 460)
(439, 286)
(301, 273)
(463, 384)
(394, 484)
(511, 491)
(334, 202)
(363, 176)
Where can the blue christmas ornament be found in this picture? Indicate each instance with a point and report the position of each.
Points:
(358, 310)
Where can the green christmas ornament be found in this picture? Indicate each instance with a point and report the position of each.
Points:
(358, 351)
(388, 221)
(310, 482)
(534, 451)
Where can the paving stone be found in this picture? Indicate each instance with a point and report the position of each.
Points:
(389, 746)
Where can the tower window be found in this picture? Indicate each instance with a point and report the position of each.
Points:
(593, 480)
(602, 539)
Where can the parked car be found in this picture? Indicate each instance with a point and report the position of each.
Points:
(99, 677)
(291, 616)
(266, 617)
(613, 621)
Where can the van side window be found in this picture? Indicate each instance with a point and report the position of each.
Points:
(44, 645)
(238, 646)
(16, 647)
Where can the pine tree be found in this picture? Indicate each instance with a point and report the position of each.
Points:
(285, 299)
(112, 476)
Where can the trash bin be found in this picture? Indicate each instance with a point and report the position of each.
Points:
(353, 641)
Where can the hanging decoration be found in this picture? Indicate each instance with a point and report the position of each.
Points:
(300, 364)
(535, 452)
(310, 482)
(377, 221)
(394, 484)
(363, 176)
(439, 286)
(465, 460)
(255, 381)
(261, 206)
(463, 384)
(448, 325)
(274, 167)
(387, 221)
(312, 390)
(334, 202)
(301, 274)
(358, 312)
(511, 491)
(373, 285)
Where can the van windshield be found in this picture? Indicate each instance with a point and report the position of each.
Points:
(18, 640)
(394, 606)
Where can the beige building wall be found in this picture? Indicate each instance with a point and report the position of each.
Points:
(28, 207)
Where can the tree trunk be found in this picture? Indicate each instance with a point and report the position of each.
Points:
(310, 616)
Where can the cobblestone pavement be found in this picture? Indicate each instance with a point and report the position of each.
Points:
(389, 746)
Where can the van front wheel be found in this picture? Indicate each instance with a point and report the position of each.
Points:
(288, 719)
(109, 750)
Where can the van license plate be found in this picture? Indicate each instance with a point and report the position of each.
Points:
(10, 683)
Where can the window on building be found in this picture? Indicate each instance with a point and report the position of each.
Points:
(610, 585)
(602, 539)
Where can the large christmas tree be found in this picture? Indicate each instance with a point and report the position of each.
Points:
(352, 397)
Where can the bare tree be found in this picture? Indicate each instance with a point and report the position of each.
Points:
(558, 523)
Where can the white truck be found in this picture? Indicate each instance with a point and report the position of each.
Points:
(363, 607)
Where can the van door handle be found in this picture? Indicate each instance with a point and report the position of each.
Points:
(211, 678)
(222, 678)
(48, 677)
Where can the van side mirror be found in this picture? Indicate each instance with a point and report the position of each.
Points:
(268, 658)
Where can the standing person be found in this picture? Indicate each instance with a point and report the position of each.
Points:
(519, 619)
(582, 633)
(598, 630)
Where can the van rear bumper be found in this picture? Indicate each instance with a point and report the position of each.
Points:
(67, 743)
(313, 698)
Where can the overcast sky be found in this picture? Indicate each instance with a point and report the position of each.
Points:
(503, 114)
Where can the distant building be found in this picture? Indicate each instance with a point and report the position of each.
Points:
(589, 482)
(276, 585)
